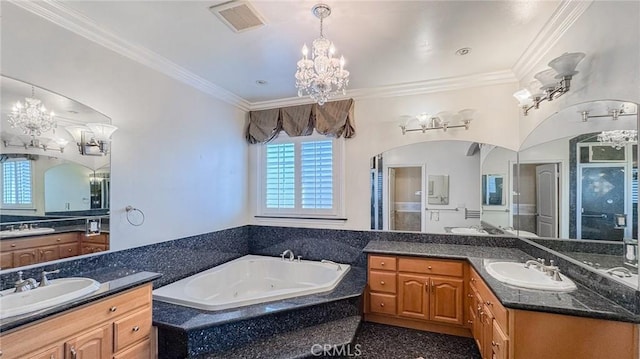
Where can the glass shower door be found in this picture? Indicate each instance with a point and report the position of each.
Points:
(602, 200)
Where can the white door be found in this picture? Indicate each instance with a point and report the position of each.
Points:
(547, 200)
(392, 199)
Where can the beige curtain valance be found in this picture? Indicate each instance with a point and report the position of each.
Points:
(332, 119)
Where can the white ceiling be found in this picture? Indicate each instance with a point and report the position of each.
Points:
(386, 43)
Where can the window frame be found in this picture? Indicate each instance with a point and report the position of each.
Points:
(337, 212)
(24, 206)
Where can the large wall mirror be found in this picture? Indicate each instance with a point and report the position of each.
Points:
(436, 187)
(54, 175)
(577, 186)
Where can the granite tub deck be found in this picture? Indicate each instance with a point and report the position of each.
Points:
(185, 332)
(582, 302)
(111, 280)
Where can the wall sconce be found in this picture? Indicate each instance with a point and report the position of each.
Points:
(546, 87)
(441, 120)
(92, 139)
(43, 143)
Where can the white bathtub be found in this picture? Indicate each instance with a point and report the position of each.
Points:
(250, 280)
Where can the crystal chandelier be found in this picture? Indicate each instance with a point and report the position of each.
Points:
(32, 116)
(618, 138)
(322, 75)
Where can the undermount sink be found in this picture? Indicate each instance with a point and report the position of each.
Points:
(466, 230)
(25, 232)
(518, 275)
(57, 292)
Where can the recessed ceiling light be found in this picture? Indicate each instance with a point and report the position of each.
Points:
(463, 51)
(261, 82)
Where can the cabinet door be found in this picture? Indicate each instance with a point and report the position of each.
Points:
(48, 253)
(500, 342)
(69, 250)
(476, 328)
(447, 300)
(413, 296)
(95, 344)
(51, 353)
(141, 350)
(25, 257)
(93, 248)
(487, 332)
(6, 260)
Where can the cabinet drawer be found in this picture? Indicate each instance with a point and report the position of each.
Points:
(382, 281)
(38, 241)
(500, 343)
(382, 263)
(69, 250)
(492, 303)
(129, 330)
(382, 303)
(141, 350)
(431, 266)
(101, 238)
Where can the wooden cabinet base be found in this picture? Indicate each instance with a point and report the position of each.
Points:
(418, 324)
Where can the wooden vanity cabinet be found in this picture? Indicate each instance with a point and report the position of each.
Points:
(490, 324)
(417, 293)
(17, 252)
(117, 327)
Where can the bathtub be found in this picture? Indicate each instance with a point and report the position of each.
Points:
(250, 280)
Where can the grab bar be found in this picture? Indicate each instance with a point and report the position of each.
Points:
(496, 210)
(331, 262)
(442, 209)
(602, 216)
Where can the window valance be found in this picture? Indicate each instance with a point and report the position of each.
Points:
(332, 119)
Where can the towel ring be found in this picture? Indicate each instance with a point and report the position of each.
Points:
(137, 214)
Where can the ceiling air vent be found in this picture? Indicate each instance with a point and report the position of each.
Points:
(238, 15)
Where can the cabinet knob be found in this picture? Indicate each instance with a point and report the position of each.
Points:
(381, 282)
(470, 295)
(489, 303)
(382, 304)
(74, 353)
(470, 321)
(70, 250)
(429, 267)
(13, 245)
(381, 263)
(473, 279)
(136, 328)
(58, 239)
(494, 344)
(113, 309)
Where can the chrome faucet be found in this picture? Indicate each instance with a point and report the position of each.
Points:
(288, 252)
(24, 226)
(538, 263)
(23, 285)
(45, 281)
(331, 262)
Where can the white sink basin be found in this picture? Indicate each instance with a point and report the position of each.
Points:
(57, 292)
(466, 230)
(516, 274)
(631, 281)
(25, 232)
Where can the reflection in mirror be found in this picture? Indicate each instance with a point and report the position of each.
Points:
(47, 184)
(438, 189)
(493, 190)
(401, 188)
(578, 179)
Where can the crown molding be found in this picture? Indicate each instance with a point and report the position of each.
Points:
(565, 15)
(65, 17)
(406, 89)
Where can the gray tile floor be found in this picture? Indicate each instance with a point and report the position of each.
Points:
(382, 341)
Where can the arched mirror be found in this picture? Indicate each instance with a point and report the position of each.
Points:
(54, 176)
(577, 184)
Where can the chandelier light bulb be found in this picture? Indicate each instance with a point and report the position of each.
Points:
(305, 51)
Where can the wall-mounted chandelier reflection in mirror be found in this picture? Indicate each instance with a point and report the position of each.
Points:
(613, 111)
(32, 118)
(441, 121)
(551, 83)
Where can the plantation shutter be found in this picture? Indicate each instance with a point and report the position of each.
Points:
(280, 175)
(16, 182)
(316, 180)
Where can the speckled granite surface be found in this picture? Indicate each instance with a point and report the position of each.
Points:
(303, 343)
(111, 282)
(581, 302)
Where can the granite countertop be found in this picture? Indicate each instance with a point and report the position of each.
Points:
(582, 302)
(185, 318)
(61, 229)
(111, 280)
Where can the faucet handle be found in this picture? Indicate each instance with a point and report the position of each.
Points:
(45, 281)
(551, 262)
(20, 280)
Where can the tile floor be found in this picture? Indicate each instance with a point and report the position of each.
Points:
(382, 341)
